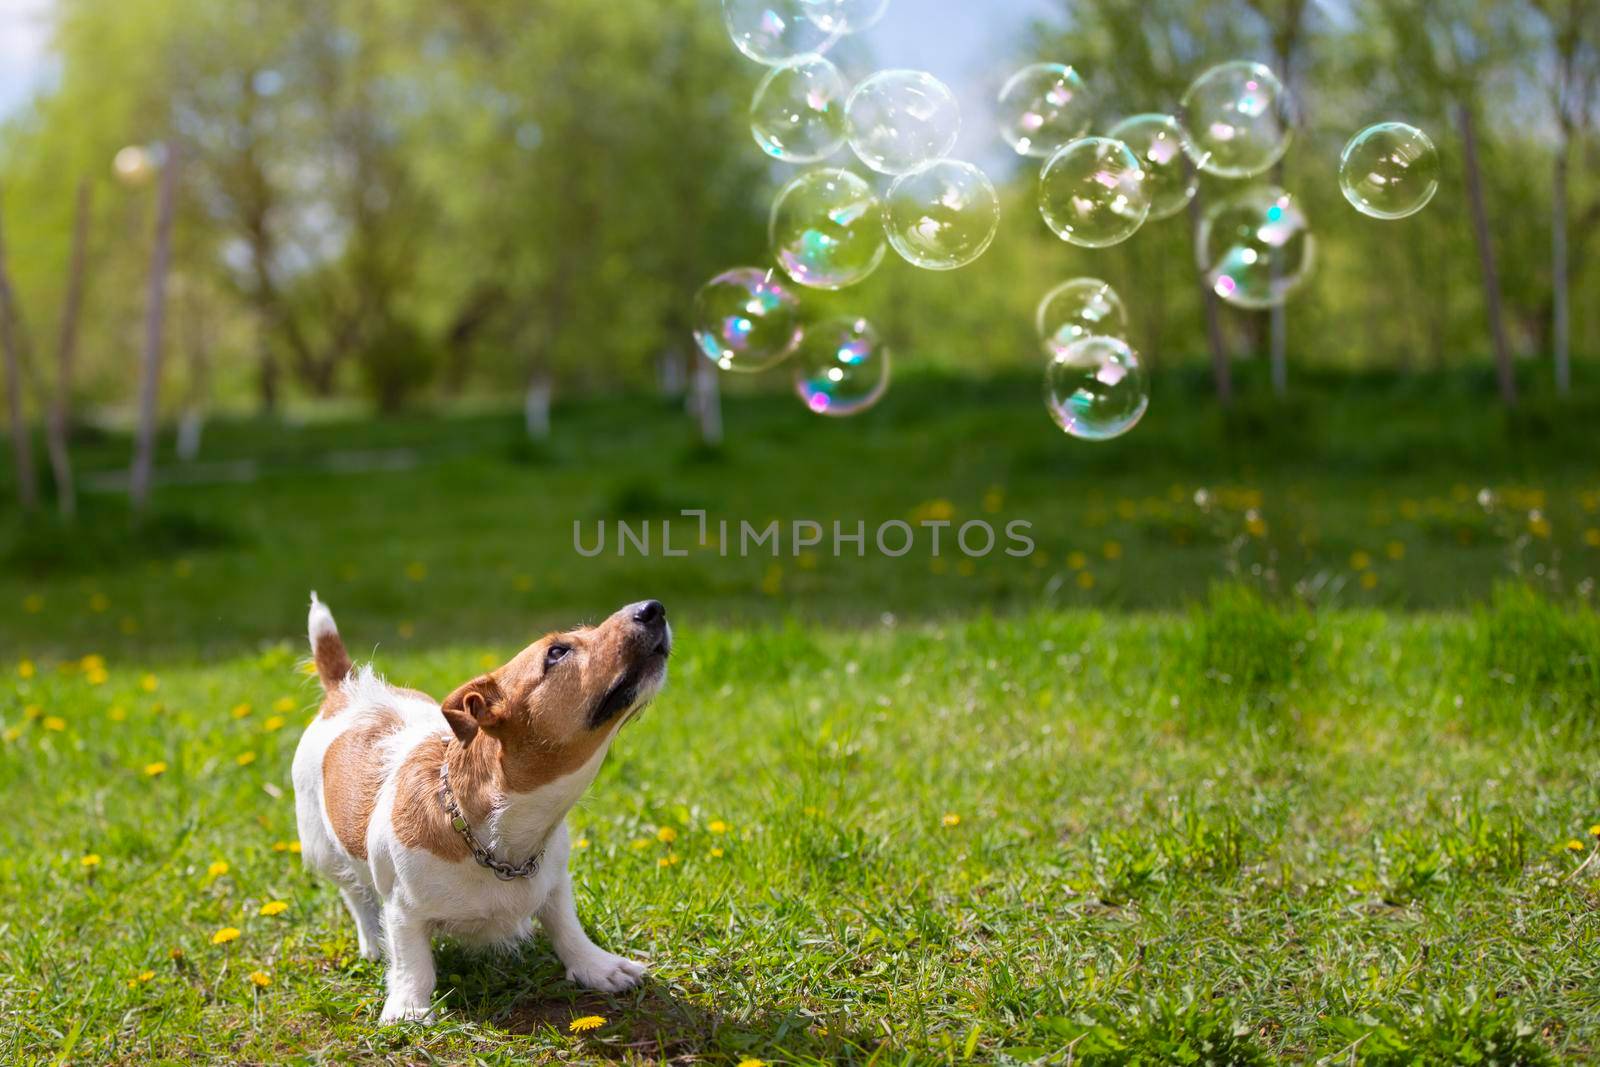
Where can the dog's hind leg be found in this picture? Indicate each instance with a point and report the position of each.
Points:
(369, 926)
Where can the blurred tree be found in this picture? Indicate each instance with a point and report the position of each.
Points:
(12, 338)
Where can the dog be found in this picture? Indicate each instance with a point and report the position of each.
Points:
(450, 817)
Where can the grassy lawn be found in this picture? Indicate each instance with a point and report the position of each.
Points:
(1270, 775)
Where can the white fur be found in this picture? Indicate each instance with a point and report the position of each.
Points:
(400, 896)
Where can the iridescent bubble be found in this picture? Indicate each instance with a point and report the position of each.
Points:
(797, 113)
(845, 16)
(1239, 119)
(826, 229)
(842, 367)
(774, 31)
(1093, 192)
(1256, 246)
(1082, 307)
(747, 319)
(1042, 107)
(943, 215)
(901, 119)
(1389, 171)
(1160, 143)
(1096, 388)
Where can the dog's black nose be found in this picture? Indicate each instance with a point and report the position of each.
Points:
(650, 612)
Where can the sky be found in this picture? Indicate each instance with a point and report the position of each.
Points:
(968, 44)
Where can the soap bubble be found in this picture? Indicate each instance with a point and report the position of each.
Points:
(1082, 307)
(845, 16)
(1096, 388)
(842, 367)
(1161, 145)
(797, 113)
(1256, 246)
(1093, 192)
(774, 31)
(1042, 107)
(901, 119)
(746, 319)
(1389, 171)
(826, 229)
(943, 215)
(1238, 118)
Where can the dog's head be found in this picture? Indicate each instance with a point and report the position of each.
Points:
(558, 699)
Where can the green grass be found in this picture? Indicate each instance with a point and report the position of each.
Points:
(1273, 752)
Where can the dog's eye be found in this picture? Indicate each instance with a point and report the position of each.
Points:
(555, 654)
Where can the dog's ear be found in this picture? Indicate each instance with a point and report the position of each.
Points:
(477, 705)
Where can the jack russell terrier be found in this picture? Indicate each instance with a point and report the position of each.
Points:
(451, 818)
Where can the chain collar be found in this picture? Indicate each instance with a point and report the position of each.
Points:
(502, 870)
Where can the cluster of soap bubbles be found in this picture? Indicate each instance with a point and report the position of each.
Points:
(1255, 244)
(831, 227)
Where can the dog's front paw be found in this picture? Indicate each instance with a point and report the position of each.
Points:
(401, 1010)
(606, 972)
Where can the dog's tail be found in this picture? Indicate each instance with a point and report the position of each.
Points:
(333, 662)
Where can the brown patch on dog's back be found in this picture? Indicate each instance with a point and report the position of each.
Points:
(419, 818)
(352, 775)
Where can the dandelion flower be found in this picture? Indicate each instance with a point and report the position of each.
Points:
(1395, 550)
(640, 843)
(96, 676)
(582, 842)
(274, 723)
(717, 826)
(416, 571)
(224, 935)
(55, 722)
(13, 732)
(669, 860)
(218, 869)
(994, 499)
(1112, 550)
(144, 976)
(274, 907)
(1594, 831)
(32, 711)
(294, 846)
(116, 713)
(1077, 560)
(1085, 580)
(716, 853)
(149, 683)
(91, 861)
(950, 819)
(1369, 580)
(280, 846)
(260, 979)
(99, 603)
(1360, 561)
(1574, 845)
(666, 835)
(752, 1063)
(1591, 537)
(155, 769)
(283, 705)
(25, 669)
(586, 1023)
(244, 759)
(241, 711)
(176, 954)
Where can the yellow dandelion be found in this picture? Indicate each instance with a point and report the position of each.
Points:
(274, 907)
(90, 861)
(1360, 561)
(1538, 525)
(772, 580)
(149, 683)
(116, 713)
(586, 1023)
(488, 661)
(752, 1063)
(92, 662)
(994, 499)
(244, 759)
(55, 722)
(950, 819)
(155, 769)
(144, 976)
(218, 869)
(1077, 560)
(98, 603)
(717, 826)
(97, 676)
(639, 844)
(1254, 524)
(32, 712)
(240, 711)
(966, 568)
(284, 705)
(1594, 831)
(582, 842)
(716, 853)
(1395, 550)
(33, 603)
(1591, 537)
(416, 571)
(25, 669)
(1111, 550)
(807, 560)
(280, 846)
(1574, 845)
(294, 846)
(13, 732)
(224, 935)
(1369, 580)
(272, 723)
(669, 860)
(1085, 580)
(260, 979)
(176, 954)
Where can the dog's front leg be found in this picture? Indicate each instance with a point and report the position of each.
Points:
(587, 963)
(410, 977)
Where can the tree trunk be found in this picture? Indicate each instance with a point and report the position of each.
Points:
(1485, 243)
(58, 430)
(10, 347)
(708, 402)
(536, 406)
(1561, 326)
(1221, 372)
(144, 454)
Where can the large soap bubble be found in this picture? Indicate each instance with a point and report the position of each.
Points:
(746, 319)
(845, 16)
(943, 215)
(1161, 145)
(1073, 310)
(1093, 192)
(1042, 107)
(901, 119)
(1096, 388)
(826, 229)
(774, 31)
(1256, 246)
(1239, 119)
(1389, 171)
(797, 112)
(842, 367)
